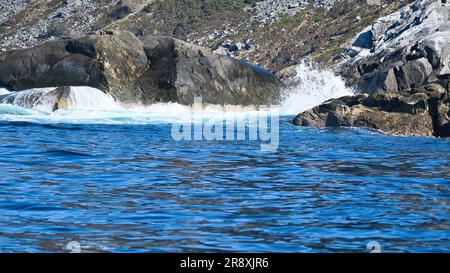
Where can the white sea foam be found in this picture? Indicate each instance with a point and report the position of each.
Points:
(90, 105)
(83, 97)
(313, 86)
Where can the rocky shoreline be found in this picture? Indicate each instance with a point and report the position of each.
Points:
(421, 114)
(400, 65)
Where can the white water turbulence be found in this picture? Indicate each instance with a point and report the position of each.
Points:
(37, 99)
(90, 98)
(87, 105)
(313, 87)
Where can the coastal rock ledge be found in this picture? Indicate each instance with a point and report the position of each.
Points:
(158, 69)
(422, 114)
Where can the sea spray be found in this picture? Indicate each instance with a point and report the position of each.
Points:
(312, 87)
(87, 105)
(83, 97)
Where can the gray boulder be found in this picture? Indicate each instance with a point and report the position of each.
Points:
(413, 73)
(401, 51)
(160, 69)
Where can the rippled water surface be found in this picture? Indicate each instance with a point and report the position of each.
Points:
(132, 188)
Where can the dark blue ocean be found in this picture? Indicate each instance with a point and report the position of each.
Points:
(118, 187)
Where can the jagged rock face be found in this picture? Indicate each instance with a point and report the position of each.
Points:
(421, 114)
(402, 51)
(158, 69)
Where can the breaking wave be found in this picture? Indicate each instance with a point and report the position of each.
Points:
(312, 87)
(91, 106)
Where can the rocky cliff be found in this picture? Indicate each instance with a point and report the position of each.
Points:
(402, 63)
(272, 33)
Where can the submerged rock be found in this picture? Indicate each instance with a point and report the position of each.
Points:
(52, 99)
(45, 99)
(160, 69)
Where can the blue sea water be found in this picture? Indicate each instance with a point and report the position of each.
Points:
(118, 187)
